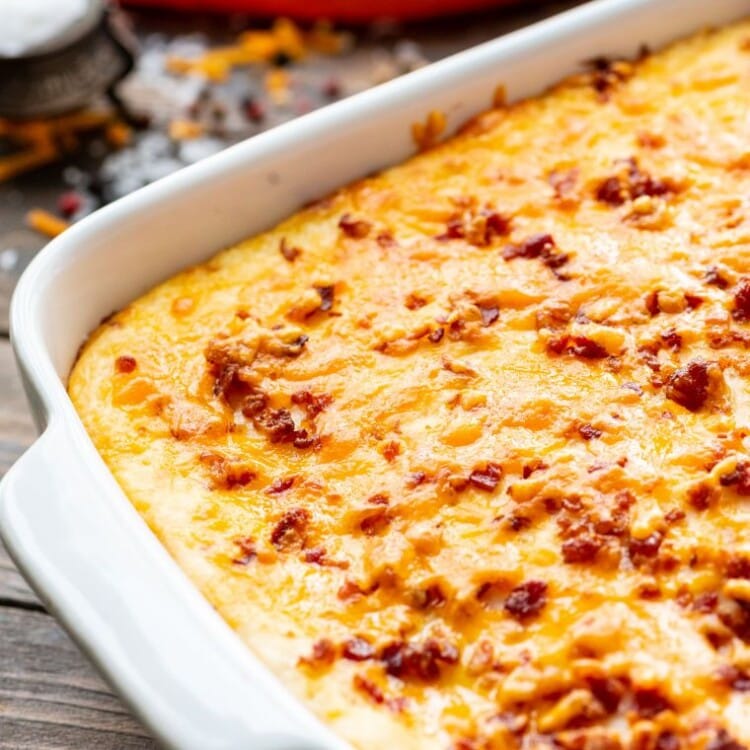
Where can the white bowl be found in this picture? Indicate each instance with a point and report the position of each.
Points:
(74, 535)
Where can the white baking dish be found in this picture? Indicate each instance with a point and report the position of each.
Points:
(70, 529)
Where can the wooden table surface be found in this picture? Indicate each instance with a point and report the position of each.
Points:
(50, 697)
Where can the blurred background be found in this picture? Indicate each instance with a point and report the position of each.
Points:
(98, 99)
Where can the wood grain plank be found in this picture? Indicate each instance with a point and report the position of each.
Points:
(16, 434)
(50, 697)
(14, 591)
(16, 427)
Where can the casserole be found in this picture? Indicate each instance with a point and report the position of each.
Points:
(64, 519)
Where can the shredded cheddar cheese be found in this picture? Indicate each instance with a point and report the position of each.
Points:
(283, 41)
(462, 451)
(45, 223)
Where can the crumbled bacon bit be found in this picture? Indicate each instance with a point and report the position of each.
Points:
(223, 367)
(589, 432)
(706, 602)
(313, 404)
(606, 74)
(581, 346)
(431, 598)
(534, 246)
(714, 277)
(608, 691)
(489, 314)
(693, 300)
(558, 344)
(125, 364)
(454, 230)
(649, 592)
(738, 478)
(385, 239)
(354, 228)
(553, 261)
(247, 549)
(326, 297)
(672, 339)
(436, 336)
(319, 556)
(378, 499)
(700, 496)
(369, 688)
(633, 184)
(478, 229)
(418, 662)
(649, 358)
(581, 549)
(282, 484)
(349, 590)
(741, 310)
(530, 468)
(611, 191)
(357, 649)
(323, 654)
(315, 555)
(291, 530)
(645, 548)
(486, 478)
(652, 303)
(415, 479)
(226, 474)
(254, 403)
(738, 567)
(518, 522)
(495, 224)
(741, 682)
(526, 599)
(289, 252)
(688, 386)
(390, 450)
(649, 702)
(563, 182)
(667, 741)
(722, 740)
(551, 505)
(734, 677)
(375, 521)
(674, 515)
(279, 425)
(414, 301)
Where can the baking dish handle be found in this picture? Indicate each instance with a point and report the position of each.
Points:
(124, 600)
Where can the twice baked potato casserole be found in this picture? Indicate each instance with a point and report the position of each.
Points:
(461, 452)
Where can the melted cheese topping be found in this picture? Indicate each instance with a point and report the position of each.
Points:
(461, 452)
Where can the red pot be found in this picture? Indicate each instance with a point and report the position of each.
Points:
(338, 10)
